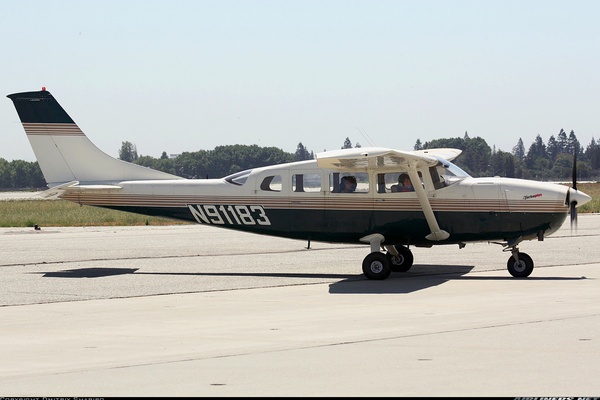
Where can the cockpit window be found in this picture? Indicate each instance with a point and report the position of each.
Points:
(239, 178)
(450, 173)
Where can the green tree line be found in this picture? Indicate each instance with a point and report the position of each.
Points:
(551, 160)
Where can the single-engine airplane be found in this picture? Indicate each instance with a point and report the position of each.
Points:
(304, 200)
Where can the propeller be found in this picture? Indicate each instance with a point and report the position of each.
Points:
(573, 197)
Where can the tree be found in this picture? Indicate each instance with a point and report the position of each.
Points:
(418, 145)
(552, 148)
(347, 144)
(475, 157)
(164, 155)
(562, 141)
(128, 152)
(563, 167)
(537, 151)
(519, 150)
(573, 144)
(301, 153)
(4, 174)
(592, 154)
(502, 164)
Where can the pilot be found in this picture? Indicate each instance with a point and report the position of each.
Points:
(348, 184)
(404, 184)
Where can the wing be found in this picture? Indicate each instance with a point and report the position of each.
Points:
(445, 153)
(366, 158)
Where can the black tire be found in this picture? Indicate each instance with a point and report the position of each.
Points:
(403, 261)
(521, 269)
(376, 266)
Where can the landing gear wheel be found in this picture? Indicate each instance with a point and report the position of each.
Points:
(522, 268)
(401, 262)
(376, 266)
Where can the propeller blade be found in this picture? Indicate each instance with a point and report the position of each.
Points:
(573, 203)
(575, 168)
(573, 212)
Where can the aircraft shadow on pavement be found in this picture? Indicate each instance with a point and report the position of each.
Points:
(89, 272)
(401, 282)
(418, 278)
(426, 276)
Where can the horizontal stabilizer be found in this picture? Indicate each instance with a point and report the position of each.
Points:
(69, 187)
(56, 191)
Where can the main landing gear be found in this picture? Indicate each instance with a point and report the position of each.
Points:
(378, 265)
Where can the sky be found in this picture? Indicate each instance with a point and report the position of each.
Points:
(174, 76)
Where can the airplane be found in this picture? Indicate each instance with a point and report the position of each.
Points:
(303, 200)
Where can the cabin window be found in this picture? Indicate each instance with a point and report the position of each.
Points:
(361, 179)
(386, 183)
(271, 183)
(306, 183)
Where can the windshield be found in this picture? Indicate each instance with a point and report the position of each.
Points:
(450, 173)
(239, 178)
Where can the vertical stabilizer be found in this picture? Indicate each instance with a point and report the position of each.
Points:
(63, 152)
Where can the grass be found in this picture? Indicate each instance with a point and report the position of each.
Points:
(28, 213)
(593, 190)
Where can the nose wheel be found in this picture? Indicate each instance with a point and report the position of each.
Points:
(520, 265)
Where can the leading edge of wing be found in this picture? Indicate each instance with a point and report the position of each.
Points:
(364, 158)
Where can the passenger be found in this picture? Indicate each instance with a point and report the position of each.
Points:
(404, 184)
(348, 184)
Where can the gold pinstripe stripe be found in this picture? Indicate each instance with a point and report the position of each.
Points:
(538, 206)
(52, 129)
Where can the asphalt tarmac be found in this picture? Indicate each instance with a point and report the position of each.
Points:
(201, 311)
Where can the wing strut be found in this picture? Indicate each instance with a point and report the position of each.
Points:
(436, 233)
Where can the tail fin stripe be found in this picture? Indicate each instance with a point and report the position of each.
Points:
(52, 129)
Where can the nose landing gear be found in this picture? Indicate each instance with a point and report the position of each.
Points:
(519, 265)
